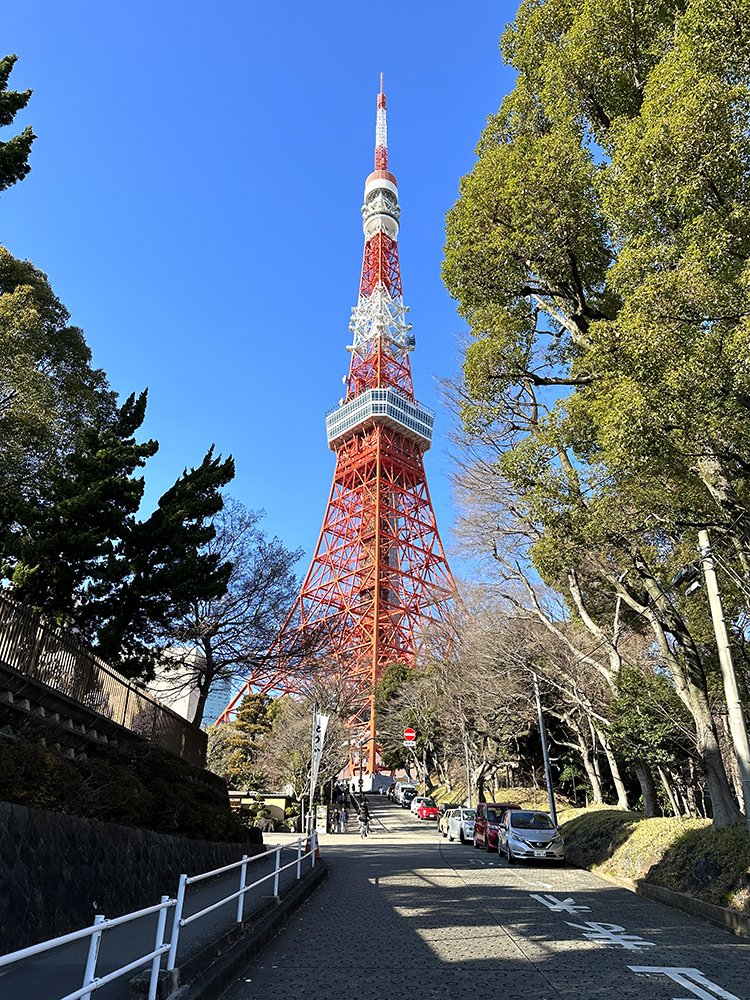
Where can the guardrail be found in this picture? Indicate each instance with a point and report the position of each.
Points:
(306, 847)
(59, 660)
(188, 880)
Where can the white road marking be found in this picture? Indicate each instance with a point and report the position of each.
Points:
(612, 934)
(567, 905)
(692, 979)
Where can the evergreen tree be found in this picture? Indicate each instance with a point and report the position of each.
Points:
(14, 153)
(165, 566)
(235, 748)
(66, 554)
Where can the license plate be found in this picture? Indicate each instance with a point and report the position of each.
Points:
(540, 854)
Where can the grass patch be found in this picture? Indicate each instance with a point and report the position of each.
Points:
(527, 798)
(685, 855)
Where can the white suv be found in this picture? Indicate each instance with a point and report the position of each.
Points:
(400, 789)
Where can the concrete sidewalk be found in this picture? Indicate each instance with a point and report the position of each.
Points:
(54, 975)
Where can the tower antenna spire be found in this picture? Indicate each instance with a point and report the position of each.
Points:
(381, 132)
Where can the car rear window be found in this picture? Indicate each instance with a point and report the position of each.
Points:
(531, 821)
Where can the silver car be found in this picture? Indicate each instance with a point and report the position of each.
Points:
(461, 825)
(529, 834)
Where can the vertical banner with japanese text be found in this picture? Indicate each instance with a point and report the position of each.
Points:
(320, 726)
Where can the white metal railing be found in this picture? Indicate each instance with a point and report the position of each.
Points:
(306, 847)
(311, 843)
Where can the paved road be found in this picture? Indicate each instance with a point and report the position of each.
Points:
(408, 914)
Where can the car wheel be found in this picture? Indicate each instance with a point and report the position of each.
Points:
(512, 859)
(487, 845)
(461, 836)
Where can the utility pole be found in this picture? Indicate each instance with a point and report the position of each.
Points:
(468, 765)
(545, 751)
(737, 724)
(424, 770)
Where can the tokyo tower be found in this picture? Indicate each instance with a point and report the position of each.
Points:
(379, 576)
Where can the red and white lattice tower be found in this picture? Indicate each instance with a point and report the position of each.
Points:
(379, 575)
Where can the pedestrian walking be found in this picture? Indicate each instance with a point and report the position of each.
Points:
(344, 819)
(336, 821)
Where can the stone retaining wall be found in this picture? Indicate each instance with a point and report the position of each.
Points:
(58, 871)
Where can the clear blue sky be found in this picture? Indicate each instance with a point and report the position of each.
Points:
(195, 200)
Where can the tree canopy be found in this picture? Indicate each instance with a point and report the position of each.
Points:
(599, 252)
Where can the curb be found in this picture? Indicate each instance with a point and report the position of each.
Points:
(727, 919)
(214, 979)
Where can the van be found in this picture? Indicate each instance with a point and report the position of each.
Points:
(401, 788)
(486, 822)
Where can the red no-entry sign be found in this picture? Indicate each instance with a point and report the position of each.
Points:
(409, 735)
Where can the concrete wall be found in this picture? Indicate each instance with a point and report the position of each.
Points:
(57, 871)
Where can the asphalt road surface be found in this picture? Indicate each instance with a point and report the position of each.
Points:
(405, 913)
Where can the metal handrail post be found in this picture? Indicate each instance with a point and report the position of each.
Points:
(276, 872)
(159, 941)
(313, 847)
(93, 955)
(243, 883)
(176, 923)
(299, 859)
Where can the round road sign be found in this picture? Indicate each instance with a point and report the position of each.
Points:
(409, 736)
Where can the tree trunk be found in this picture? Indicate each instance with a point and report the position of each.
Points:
(690, 684)
(591, 771)
(205, 679)
(676, 811)
(723, 803)
(648, 790)
(622, 795)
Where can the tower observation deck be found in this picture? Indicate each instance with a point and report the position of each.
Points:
(378, 579)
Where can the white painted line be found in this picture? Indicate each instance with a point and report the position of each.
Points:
(567, 905)
(612, 934)
(692, 979)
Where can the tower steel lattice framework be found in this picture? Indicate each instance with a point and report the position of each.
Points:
(379, 575)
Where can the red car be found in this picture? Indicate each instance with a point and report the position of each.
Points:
(486, 821)
(427, 809)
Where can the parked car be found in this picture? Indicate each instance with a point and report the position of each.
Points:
(528, 833)
(486, 821)
(443, 820)
(427, 809)
(416, 802)
(407, 796)
(461, 825)
(401, 790)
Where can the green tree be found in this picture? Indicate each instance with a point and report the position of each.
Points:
(50, 395)
(63, 558)
(234, 748)
(165, 566)
(14, 153)
(599, 251)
